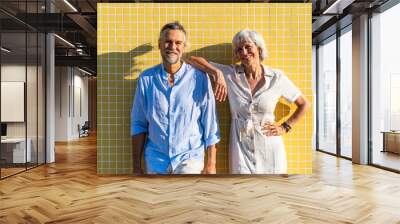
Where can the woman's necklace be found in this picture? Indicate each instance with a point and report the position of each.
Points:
(255, 83)
(257, 77)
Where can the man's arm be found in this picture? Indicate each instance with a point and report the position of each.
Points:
(210, 167)
(138, 142)
(209, 121)
(139, 128)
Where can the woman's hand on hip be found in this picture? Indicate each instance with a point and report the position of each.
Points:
(270, 129)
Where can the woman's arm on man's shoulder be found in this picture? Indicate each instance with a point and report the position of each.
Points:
(202, 64)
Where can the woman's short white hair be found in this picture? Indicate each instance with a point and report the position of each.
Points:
(253, 36)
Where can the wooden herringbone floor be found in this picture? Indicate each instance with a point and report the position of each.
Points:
(71, 192)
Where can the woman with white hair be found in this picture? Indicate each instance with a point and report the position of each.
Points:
(256, 145)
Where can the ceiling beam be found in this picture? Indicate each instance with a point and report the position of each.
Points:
(82, 61)
(86, 26)
(337, 7)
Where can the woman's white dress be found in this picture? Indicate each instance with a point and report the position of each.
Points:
(251, 152)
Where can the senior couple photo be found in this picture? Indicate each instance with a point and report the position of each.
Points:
(174, 120)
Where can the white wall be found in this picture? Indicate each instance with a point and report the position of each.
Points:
(34, 123)
(62, 81)
(80, 83)
(12, 73)
(16, 72)
(70, 83)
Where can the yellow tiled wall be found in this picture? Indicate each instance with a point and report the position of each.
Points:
(127, 45)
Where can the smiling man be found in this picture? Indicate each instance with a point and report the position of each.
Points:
(173, 114)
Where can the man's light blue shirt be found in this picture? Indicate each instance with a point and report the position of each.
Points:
(180, 121)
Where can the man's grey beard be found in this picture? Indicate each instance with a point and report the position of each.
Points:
(171, 60)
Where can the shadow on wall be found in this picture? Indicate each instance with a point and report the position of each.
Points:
(118, 72)
(115, 91)
(122, 65)
(219, 53)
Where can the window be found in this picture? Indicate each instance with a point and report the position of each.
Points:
(346, 93)
(327, 96)
(385, 88)
(22, 72)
